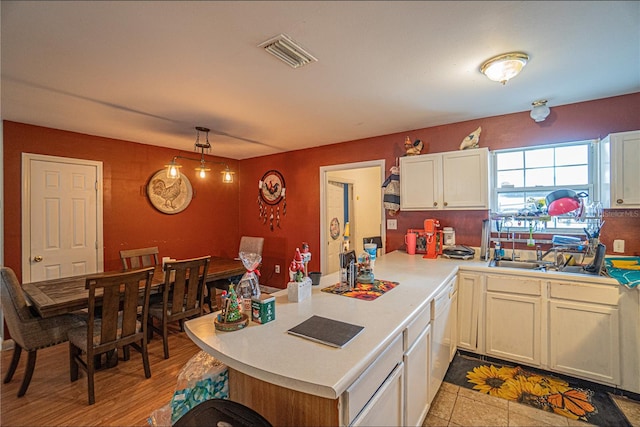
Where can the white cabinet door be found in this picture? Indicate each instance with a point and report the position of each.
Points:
(416, 368)
(465, 179)
(451, 180)
(469, 301)
(620, 175)
(513, 327)
(420, 182)
(584, 341)
(386, 406)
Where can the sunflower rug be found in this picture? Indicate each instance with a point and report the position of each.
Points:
(575, 399)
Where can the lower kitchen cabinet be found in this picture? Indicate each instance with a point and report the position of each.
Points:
(468, 313)
(513, 319)
(584, 331)
(416, 368)
(386, 406)
(377, 396)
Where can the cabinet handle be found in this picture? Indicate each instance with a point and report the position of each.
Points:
(619, 201)
(446, 204)
(435, 203)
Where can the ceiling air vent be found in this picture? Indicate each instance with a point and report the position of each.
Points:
(286, 50)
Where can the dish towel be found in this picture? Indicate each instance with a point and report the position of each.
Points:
(626, 270)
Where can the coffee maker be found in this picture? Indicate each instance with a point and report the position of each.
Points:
(434, 238)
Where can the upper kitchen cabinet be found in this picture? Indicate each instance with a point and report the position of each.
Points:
(451, 180)
(619, 171)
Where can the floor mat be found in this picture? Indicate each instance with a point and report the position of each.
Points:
(575, 399)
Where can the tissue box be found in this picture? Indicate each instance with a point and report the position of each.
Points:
(263, 308)
(299, 291)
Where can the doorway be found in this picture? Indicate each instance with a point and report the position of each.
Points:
(365, 210)
(61, 217)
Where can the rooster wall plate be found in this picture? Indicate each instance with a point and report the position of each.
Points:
(271, 192)
(169, 195)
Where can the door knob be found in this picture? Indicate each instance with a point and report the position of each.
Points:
(37, 258)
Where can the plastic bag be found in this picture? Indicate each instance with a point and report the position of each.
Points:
(202, 378)
(249, 285)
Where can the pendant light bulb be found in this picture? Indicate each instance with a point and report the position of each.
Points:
(227, 176)
(202, 173)
(173, 170)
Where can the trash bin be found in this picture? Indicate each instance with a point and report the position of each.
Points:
(220, 412)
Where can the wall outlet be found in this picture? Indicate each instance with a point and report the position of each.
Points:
(392, 224)
(277, 269)
(618, 246)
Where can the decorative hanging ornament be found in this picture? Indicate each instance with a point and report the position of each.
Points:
(271, 191)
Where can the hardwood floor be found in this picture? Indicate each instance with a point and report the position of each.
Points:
(124, 397)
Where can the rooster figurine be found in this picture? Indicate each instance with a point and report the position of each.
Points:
(413, 148)
(471, 140)
(169, 194)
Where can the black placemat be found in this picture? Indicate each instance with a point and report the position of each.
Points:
(326, 331)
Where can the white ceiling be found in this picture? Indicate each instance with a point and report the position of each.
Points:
(150, 72)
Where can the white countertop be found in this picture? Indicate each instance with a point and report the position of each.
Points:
(269, 353)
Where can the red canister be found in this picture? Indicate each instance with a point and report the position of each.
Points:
(410, 241)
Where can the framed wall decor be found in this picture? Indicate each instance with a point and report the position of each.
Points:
(169, 195)
(271, 193)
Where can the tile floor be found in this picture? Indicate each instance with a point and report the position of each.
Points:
(458, 406)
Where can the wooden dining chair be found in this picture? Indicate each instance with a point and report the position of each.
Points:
(251, 244)
(138, 258)
(28, 331)
(182, 296)
(118, 325)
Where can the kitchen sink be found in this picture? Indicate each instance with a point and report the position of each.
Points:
(526, 265)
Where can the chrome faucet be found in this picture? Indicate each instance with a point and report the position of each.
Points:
(538, 253)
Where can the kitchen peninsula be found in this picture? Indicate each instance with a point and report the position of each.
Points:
(294, 381)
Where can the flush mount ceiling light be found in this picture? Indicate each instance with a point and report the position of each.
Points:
(503, 68)
(540, 111)
(288, 51)
(173, 168)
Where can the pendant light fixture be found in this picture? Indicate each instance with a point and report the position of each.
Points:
(173, 168)
(503, 68)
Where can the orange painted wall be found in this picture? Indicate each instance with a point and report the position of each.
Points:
(209, 225)
(219, 214)
(300, 168)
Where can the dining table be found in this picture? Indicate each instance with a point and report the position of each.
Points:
(68, 294)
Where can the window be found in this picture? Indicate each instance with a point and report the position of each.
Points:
(525, 176)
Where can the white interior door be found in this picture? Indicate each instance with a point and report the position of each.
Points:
(62, 217)
(335, 225)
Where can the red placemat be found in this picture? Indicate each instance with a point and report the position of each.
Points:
(365, 291)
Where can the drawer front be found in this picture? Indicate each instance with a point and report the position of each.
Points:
(415, 328)
(363, 389)
(514, 285)
(386, 407)
(585, 292)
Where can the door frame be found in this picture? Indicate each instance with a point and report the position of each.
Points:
(323, 220)
(26, 207)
